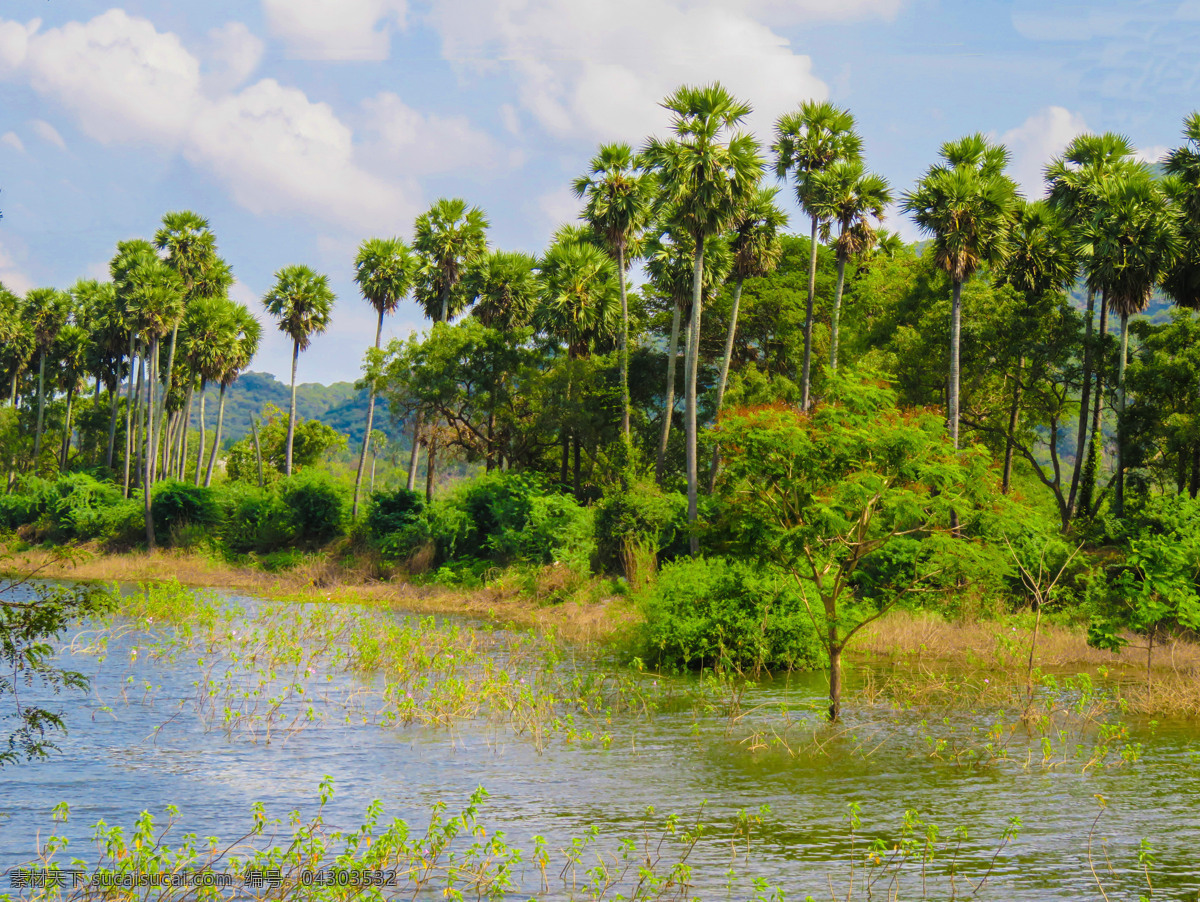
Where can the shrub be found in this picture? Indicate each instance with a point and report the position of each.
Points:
(557, 530)
(176, 506)
(255, 519)
(317, 507)
(70, 507)
(729, 614)
(393, 511)
(637, 524)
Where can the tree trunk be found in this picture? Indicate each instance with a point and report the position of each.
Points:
(149, 472)
(835, 676)
(374, 459)
(292, 409)
(416, 452)
(837, 312)
(362, 459)
(212, 458)
(729, 338)
(187, 424)
(200, 450)
(112, 425)
(491, 439)
(669, 403)
(1091, 467)
(66, 445)
(1012, 428)
(1194, 484)
(689, 388)
(430, 457)
(805, 379)
(624, 341)
(37, 435)
(1084, 399)
(1119, 499)
(577, 468)
(257, 451)
(166, 391)
(129, 410)
(955, 375)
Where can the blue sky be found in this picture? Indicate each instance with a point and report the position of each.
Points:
(300, 127)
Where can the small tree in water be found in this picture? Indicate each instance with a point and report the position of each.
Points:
(854, 499)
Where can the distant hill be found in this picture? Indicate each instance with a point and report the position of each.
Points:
(339, 405)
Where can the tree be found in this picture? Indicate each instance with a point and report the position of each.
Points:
(707, 175)
(238, 345)
(205, 336)
(383, 270)
(70, 352)
(302, 302)
(448, 238)
(125, 263)
(46, 310)
(965, 203)
(756, 251)
(854, 499)
(807, 142)
(17, 342)
(1182, 164)
(619, 198)
(845, 194)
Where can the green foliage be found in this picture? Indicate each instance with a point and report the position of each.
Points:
(727, 614)
(256, 520)
(177, 505)
(311, 442)
(74, 506)
(639, 518)
(392, 511)
(316, 507)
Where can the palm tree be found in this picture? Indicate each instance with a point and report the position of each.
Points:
(807, 142)
(618, 197)
(301, 300)
(71, 353)
(46, 311)
(17, 343)
(845, 194)
(1182, 164)
(756, 251)
(448, 238)
(580, 304)
(966, 204)
(383, 270)
(1074, 182)
(1041, 262)
(239, 344)
(1134, 238)
(204, 341)
(129, 257)
(707, 174)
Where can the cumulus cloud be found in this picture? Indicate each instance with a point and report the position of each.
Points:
(233, 55)
(12, 276)
(275, 149)
(335, 29)
(48, 133)
(1152, 154)
(10, 139)
(1036, 141)
(559, 207)
(424, 144)
(581, 67)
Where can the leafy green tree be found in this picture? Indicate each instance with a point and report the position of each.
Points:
(846, 195)
(311, 441)
(708, 173)
(807, 142)
(383, 270)
(854, 499)
(46, 310)
(965, 203)
(237, 344)
(619, 197)
(302, 302)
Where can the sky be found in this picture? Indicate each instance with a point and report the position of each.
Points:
(298, 128)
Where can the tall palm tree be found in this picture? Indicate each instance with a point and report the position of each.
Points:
(106, 349)
(70, 352)
(807, 142)
(966, 204)
(204, 342)
(130, 256)
(1133, 234)
(1182, 282)
(447, 238)
(756, 251)
(1074, 181)
(619, 196)
(239, 344)
(846, 195)
(1041, 262)
(17, 343)
(383, 270)
(302, 301)
(46, 311)
(708, 173)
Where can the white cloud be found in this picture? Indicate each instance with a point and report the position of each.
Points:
(560, 207)
(48, 133)
(425, 144)
(233, 55)
(1035, 141)
(1152, 154)
(10, 139)
(12, 275)
(335, 29)
(582, 67)
(14, 43)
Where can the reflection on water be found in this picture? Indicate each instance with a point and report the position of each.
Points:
(137, 743)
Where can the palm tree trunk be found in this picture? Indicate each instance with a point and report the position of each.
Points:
(835, 676)
(491, 440)
(183, 432)
(139, 401)
(292, 410)
(166, 391)
(837, 312)
(362, 460)
(1194, 483)
(112, 426)
(1084, 399)
(1119, 500)
(1012, 428)
(576, 469)
(133, 364)
(12, 394)
(729, 338)
(37, 435)
(808, 318)
(149, 477)
(1092, 466)
(66, 445)
(212, 458)
(624, 339)
(693, 369)
(669, 402)
(955, 374)
(430, 457)
(374, 459)
(415, 455)
(200, 450)
(257, 450)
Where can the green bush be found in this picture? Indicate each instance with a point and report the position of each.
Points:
(556, 530)
(392, 511)
(70, 507)
(256, 520)
(123, 523)
(638, 520)
(729, 614)
(176, 506)
(316, 506)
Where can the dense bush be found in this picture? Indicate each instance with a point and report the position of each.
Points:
(639, 522)
(393, 511)
(74, 506)
(316, 508)
(176, 506)
(717, 612)
(255, 520)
